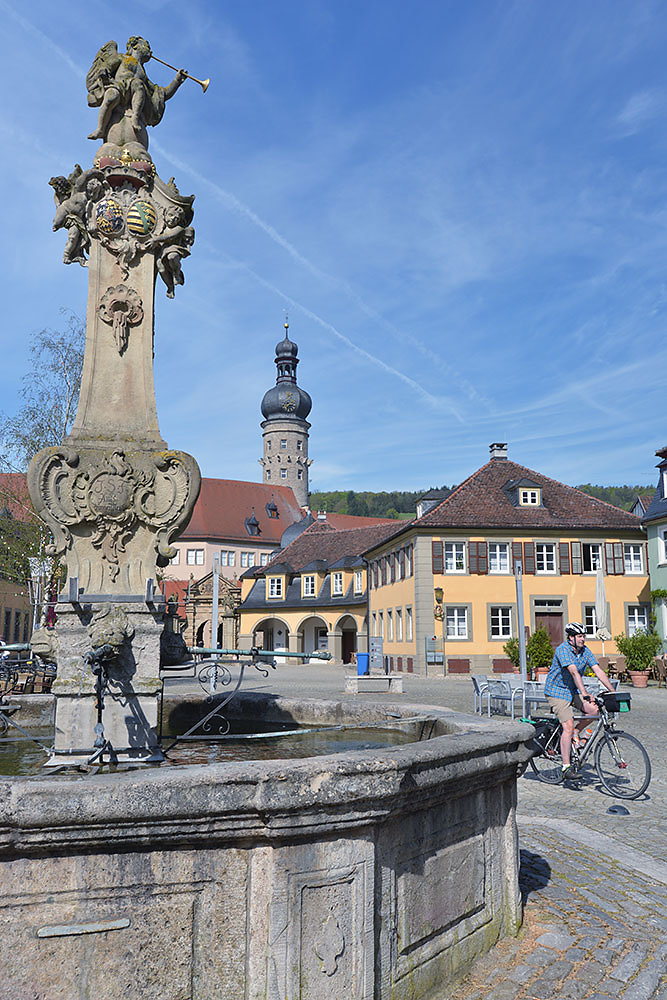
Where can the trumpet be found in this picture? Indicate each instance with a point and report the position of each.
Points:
(202, 83)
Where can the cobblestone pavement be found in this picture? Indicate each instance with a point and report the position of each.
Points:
(594, 883)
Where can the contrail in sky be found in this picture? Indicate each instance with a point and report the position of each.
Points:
(231, 201)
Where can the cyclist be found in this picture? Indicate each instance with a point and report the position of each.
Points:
(564, 686)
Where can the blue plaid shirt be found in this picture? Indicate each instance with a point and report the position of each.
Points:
(560, 682)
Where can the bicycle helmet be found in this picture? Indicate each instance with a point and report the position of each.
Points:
(575, 628)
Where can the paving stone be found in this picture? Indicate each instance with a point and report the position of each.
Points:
(629, 964)
(590, 972)
(540, 957)
(555, 939)
(646, 983)
(521, 973)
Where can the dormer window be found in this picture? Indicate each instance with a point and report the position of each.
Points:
(252, 524)
(272, 509)
(530, 498)
(337, 584)
(275, 586)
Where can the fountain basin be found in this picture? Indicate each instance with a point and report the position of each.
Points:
(374, 875)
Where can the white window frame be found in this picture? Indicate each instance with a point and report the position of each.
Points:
(283, 444)
(390, 626)
(594, 558)
(264, 558)
(195, 557)
(633, 558)
(308, 589)
(299, 473)
(175, 560)
(374, 620)
(638, 618)
(408, 624)
(454, 557)
(283, 473)
(662, 545)
(224, 556)
(247, 559)
(358, 582)
(456, 622)
(529, 498)
(590, 621)
(544, 550)
(381, 624)
(275, 587)
(232, 557)
(496, 557)
(399, 625)
(502, 627)
(336, 584)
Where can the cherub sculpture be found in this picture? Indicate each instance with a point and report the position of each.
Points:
(73, 195)
(118, 86)
(175, 240)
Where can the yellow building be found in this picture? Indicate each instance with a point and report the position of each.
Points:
(313, 594)
(448, 577)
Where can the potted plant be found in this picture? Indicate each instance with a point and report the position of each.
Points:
(540, 653)
(639, 651)
(511, 649)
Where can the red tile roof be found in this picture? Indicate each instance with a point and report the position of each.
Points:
(482, 501)
(343, 522)
(224, 505)
(15, 497)
(322, 541)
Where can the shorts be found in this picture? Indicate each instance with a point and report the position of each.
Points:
(562, 708)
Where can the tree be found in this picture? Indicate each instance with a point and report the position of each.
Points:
(50, 391)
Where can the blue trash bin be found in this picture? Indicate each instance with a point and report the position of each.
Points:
(362, 664)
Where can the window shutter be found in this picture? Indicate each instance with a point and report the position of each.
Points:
(436, 557)
(577, 566)
(482, 557)
(564, 555)
(609, 558)
(517, 554)
(529, 557)
(472, 557)
(619, 561)
(401, 562)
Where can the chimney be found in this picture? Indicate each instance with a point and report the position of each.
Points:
(498, 449)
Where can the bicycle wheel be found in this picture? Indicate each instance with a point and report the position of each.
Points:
(623, 765)
(548, 768)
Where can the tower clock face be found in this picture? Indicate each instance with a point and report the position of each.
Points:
(289, 402)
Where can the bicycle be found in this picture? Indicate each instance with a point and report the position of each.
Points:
(621, 762)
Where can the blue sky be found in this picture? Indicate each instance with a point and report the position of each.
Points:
(462, 207)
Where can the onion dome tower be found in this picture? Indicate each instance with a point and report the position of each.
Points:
(285, 408)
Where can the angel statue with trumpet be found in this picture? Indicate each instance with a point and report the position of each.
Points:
(128, 101)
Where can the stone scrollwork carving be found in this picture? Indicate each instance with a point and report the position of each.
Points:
(125, 507)
(121, 307)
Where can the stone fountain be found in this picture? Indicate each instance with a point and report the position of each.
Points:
(114, 495)
(374, 875)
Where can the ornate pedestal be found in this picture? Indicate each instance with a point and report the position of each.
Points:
(113, 494)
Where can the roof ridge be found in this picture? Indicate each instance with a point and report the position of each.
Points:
(454, 491)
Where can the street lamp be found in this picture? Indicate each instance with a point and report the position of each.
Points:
(439, 614)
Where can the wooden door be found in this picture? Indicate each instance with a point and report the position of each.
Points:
(552, 621)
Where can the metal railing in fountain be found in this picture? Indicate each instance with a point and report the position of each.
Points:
(214, 674)
(18, 676)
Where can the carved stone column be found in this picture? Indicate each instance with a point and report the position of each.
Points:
(113, 495)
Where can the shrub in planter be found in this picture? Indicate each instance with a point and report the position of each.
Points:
(638, 649)
(511, 648)
(539, 651)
